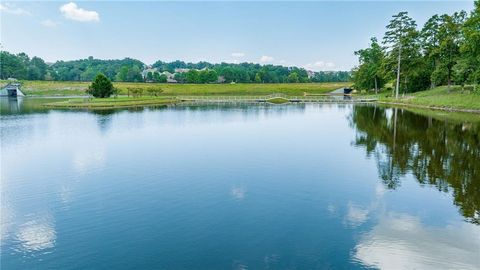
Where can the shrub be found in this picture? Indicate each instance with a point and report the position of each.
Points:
(136, 92)
(154, 91)
(101, 87)
(476, 89)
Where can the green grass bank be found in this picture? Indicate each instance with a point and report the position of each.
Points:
(109, 103)
(56, 88)
(439, 98)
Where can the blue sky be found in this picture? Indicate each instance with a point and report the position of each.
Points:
(318, 35)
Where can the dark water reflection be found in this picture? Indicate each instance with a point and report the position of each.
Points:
(442, 153)
(238, 187)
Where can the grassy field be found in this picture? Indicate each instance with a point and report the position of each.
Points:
(51, 88)
(437, 98)
(105, 103)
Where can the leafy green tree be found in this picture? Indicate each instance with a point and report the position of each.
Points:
(37, 69)
(369, 74)
(134, 74)
(156, 77)
(135, 91)
(154, 91)
(400, 37)
(180, 77)
(430, 40)
(228, 73)
(470, 48)
(461, 71)
(122, 74)
(331, 76)
(258, 78)
(150, 77)
(293, 77)
(115, 92)
(203, 76)
(207, 76)
(450, 36)
(89, 74)
(193, 76)
(101, 87)
(162, 78)
(212, 76)
(11, 66)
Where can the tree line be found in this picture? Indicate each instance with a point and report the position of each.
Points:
(22, 67)
(444, 51)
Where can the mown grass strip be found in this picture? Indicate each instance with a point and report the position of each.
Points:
(80, 103)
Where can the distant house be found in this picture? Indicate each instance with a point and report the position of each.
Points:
(182, 70)
(168, 74)
(310, 74)
(170, 77)
(147, 70)
(221, 79)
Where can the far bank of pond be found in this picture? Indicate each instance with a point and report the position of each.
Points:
(71, 88)
(439, 98)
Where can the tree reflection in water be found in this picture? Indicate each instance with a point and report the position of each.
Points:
(442, 153)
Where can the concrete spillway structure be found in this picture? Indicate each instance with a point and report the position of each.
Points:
(11, 90)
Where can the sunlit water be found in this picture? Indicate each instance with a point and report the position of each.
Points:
(238, 187)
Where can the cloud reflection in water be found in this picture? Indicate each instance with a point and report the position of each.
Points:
(238, 193)
(356, 215)
(401, 241)
(36, 235)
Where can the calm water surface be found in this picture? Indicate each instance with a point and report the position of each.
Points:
(238, 187)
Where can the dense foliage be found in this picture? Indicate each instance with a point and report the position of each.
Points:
(126, 70)
(20, 66)
(101, 87)
(130, 70)
(445, 51)
(249, 72)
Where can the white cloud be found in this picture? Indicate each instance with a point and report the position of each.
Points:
(320, 66)
(73, 12)
(266, 59)
(238, 54)
(49, 23)
(8, 8)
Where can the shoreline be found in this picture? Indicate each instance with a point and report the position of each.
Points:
(111, 103)
(446, 109)
(125, 102)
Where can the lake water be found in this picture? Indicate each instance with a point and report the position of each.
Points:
(239, 187)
